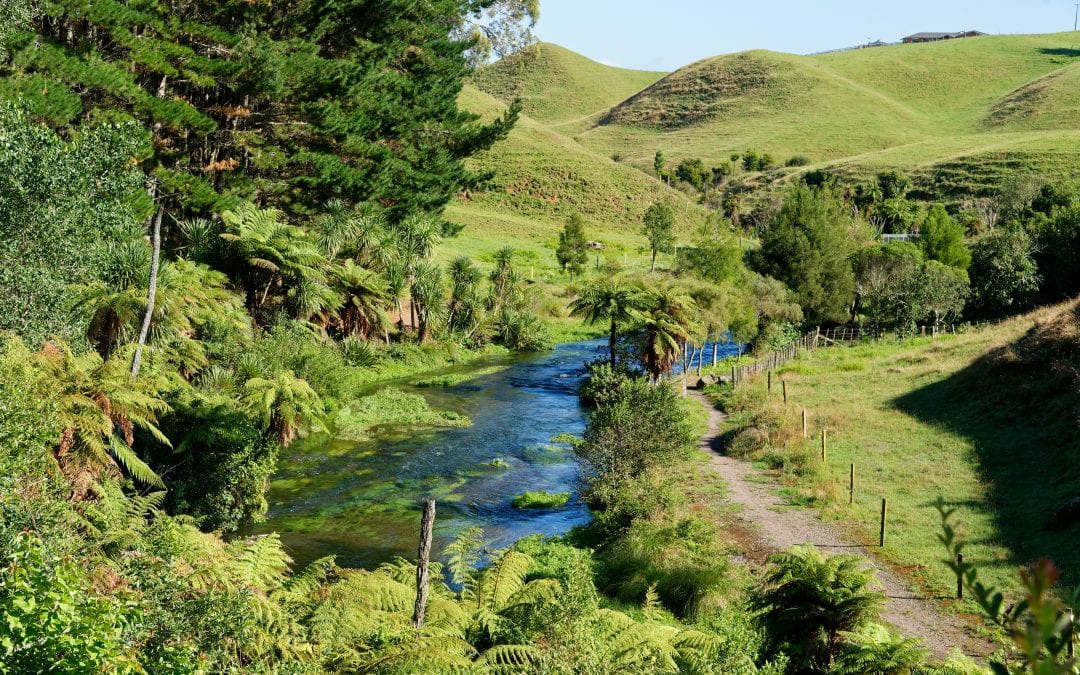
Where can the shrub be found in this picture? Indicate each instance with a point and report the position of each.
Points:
(797, 160)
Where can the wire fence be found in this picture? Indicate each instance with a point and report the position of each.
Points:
(846, 335)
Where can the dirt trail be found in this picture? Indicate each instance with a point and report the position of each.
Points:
(771, 526)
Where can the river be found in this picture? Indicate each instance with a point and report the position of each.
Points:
(360, 500)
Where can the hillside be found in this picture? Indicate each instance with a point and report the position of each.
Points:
(560, 87)
(978, 101)
(988, 419)
(541, 178)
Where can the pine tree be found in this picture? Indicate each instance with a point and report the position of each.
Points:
(572, 252)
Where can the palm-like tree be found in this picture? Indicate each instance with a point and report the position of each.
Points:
(286, 405)
(271, 251)
(669, 321)
(427, 295)
(610, 300)
(99, 406)
(363, 296)
(809, 600)
(465, 306)
(117, 299)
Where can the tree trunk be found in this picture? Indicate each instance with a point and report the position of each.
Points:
(714, 347)
(653, 268)
(151, 293)
(611, 343)
(427, 524)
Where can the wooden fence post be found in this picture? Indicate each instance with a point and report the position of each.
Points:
(770, 382)
(733, 377)
(851, 485)
(884, 516)
(427, 524)
(959, 576)
(783, 387)
(1070, 632)
(804, 434)
(824, 451)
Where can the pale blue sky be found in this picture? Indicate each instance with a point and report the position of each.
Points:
(668, 34)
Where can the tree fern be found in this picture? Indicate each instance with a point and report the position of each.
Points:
(259, 563)
(127, 458)
(498, 583)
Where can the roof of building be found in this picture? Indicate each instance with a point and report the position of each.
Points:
(941, 36)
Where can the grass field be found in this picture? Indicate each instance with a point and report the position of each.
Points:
(958, 115)
(986, 420)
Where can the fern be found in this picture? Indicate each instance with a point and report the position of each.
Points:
(259, 563)
(426, 654)
(139, 469)
(462, 555)
(502, 580)
(512, 656)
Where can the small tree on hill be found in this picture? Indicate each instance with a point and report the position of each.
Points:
(941, 238)
(659, 228)
(658, 165)
(572, 252)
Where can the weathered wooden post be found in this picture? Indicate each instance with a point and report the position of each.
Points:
(733, 377)
(959, 576)
(851, 485)
(783, 387)
(884, 516)
(824, 443)
(769, 378)
(427, 524)
(804, 434)
(1070, 632)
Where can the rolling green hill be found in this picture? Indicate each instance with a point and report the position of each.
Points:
(541, 178)
(560, 87)
(959, 116)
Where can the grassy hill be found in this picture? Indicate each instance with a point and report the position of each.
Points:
(980, 101)
(542, 177)
(987, 419)
(560, 87)
(959, 116)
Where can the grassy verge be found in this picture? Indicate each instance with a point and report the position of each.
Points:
(918, 419)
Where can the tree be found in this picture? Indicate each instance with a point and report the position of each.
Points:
(658, 165)
(941, 238)
(808, 248)
(808, 601)
(1058, 254)
(893, 184)
(363, 298)
(427, 296)
(668, 321)
(659, 228)
(234, 94)
(464, 312)
(573, 252)
(693, 171)
(609, 299)
(99, 407)
(1004, 275)
(285, 404)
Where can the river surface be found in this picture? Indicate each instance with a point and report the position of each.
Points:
(359, 500)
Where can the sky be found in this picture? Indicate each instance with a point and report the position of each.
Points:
(668, 34)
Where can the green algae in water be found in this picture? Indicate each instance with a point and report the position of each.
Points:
(541, 500)
(390, 407)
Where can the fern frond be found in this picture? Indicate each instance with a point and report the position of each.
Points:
(429, 654)
(498, 583)
(127, 458)
(260, 562)
(515, 656)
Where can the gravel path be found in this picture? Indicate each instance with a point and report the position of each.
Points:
(767, 524)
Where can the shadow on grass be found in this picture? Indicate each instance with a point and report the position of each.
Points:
(1061, 51)
(1018, 407)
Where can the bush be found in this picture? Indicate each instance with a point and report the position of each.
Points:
(797, 160)
(638, 427)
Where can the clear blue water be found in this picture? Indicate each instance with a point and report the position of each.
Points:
(361, 501)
